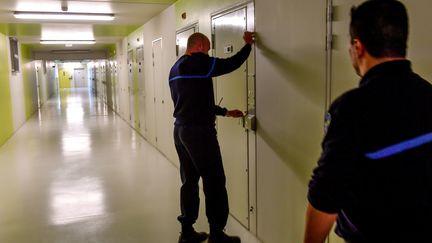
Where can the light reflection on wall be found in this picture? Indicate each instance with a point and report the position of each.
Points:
(182, 42)
(237, 21)
(76, 200)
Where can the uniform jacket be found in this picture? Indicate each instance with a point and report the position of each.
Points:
(191, 86)
(375, 170)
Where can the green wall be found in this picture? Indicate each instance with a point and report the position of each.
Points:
(6, 116)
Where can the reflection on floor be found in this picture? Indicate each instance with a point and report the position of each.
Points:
(77, 173)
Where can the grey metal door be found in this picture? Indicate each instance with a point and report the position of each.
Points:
(236, 91)
(141, 87)
(341, 76)
(131, 88)
(79, 78)
(182, 36)
(340, 73)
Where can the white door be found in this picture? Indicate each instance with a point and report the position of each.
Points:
(112, 75)
(80, 78)
(141, 88)
(117, 88)
(38, 86)
(131, 89)
(236, 91)
(163, 137)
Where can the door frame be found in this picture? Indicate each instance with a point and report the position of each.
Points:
(251, 89)
(156, 133)
(130, 64)
(194, 25)
(140, 86)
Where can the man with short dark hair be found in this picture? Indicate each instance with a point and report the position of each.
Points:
(195, 137)
(374, 176)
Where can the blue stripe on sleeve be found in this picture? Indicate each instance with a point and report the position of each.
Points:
(400, 147)
(198, 76)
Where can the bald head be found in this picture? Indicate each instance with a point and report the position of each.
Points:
(198, 42)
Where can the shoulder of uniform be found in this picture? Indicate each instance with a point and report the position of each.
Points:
(349, 96)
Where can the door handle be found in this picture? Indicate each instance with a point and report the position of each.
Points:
(249, 122)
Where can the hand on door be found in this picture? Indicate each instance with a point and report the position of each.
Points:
(234, 113)
(249, 37)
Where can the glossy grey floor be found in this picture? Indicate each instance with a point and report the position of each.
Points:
(75, 172)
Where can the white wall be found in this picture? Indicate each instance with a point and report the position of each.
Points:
(290, 62)
(420, 39)
(17, 87)
(162, 26)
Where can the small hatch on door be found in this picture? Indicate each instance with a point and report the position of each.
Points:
(228, 49)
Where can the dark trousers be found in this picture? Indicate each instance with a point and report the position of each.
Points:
(199, 154)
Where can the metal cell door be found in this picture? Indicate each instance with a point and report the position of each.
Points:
(140, 87)
(341, 76)
(113, 84)
(38, 86)
(117, 88)
(182, 36)
(109, 83)
(162, 137)
(131, 72)
(102, 80)
(236, 91)
(80, 78)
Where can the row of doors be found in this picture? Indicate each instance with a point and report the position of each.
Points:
(147, 98)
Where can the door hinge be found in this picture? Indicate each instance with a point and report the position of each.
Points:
(329, 27)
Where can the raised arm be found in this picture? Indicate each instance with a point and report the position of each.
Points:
(227, 65)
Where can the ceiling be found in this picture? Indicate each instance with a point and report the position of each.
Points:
(129, 15)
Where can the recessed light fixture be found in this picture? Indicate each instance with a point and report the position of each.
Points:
(63, 16)
(67, 42)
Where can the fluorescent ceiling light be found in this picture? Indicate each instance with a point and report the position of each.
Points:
(67, 32)
(63, 16)
(66, 42)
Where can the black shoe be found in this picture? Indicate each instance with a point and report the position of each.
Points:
(192, 237)
(223, 238)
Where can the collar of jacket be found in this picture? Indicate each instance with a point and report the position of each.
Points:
(393, 68)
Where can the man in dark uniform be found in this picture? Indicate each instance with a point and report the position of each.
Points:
(195, 135)
(374, 176)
